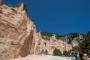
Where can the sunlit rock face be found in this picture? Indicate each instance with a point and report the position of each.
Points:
(47, 46)
(16, 32)
(19, 37)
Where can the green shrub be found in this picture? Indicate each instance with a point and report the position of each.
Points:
(46, 52)
(57, 52)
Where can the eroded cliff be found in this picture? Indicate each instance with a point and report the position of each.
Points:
(16, 32)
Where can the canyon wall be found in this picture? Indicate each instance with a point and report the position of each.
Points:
(16, 32)
(19, 36)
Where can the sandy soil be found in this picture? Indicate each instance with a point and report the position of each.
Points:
(42, 57)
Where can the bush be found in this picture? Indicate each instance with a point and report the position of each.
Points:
(57, 52)
(46, 52)
(84, 46)
(65, 53)
(46, 35)
(59, 36)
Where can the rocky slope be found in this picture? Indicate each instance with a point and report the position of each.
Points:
(16, 32)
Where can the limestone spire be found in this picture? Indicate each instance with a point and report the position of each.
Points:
(20, 6)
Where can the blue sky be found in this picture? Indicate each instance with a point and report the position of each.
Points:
(59, 16)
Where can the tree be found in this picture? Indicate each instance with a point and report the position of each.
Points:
(59, 36)
(57, 52)
(46, 35)
(88, 32)
(65, 53)
(71, 36)
(84, 46)
(46, 52)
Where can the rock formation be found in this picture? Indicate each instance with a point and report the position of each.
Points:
(43, 46)
(19, 37)
(16, 32)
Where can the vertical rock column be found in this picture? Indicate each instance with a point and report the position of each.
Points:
(25, 49)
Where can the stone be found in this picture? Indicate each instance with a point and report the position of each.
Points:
(16, 33)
